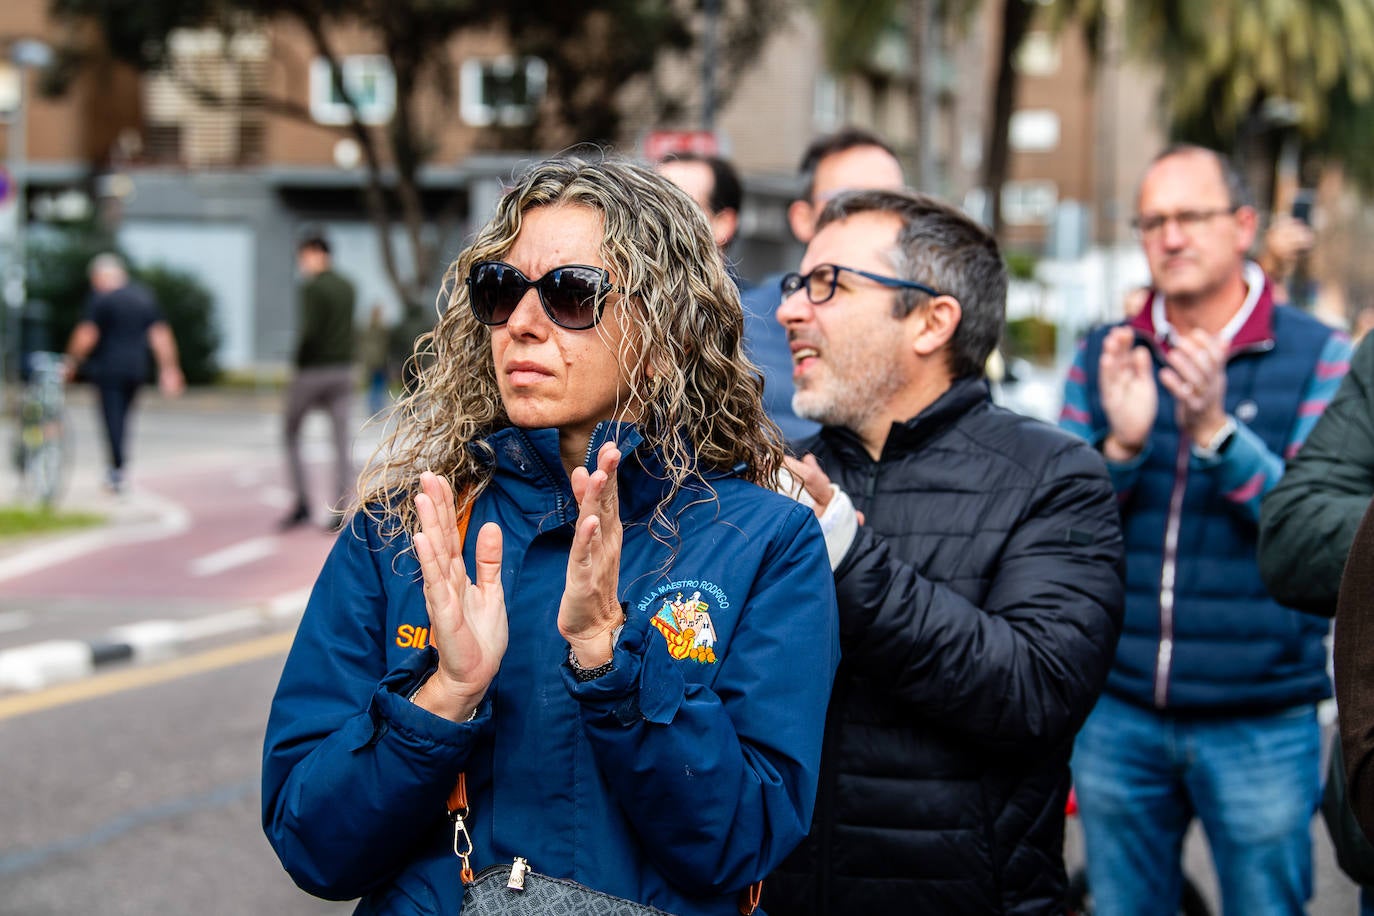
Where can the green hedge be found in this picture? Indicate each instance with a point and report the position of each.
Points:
(1030, 338)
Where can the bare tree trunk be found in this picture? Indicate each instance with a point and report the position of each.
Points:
(374, 194)
(1016, 19)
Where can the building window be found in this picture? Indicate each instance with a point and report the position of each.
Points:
(827, 103)
(205, 107)
(1034, 130)
(1029, 203)
(505, 91)
(370, 82)
(1038, 55)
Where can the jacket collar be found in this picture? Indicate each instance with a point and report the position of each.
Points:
(904, 438)
(528, 462)
(1256, 315)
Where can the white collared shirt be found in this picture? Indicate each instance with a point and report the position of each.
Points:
(1254, 281)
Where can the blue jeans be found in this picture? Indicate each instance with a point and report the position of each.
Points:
(1254, 782)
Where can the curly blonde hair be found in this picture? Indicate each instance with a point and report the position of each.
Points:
(701, 405)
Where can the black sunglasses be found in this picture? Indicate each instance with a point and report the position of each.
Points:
(573, 296)
(821, 282)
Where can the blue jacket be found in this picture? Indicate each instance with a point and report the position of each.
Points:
(766, 343)
(1201, 634)
(677, 779)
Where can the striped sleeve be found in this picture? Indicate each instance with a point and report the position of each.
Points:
(1332, 366)
(1076, 417)
(1249, 469)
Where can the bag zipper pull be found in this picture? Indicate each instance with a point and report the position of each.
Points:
(518, 869)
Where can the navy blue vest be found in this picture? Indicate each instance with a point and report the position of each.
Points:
(1234, 648)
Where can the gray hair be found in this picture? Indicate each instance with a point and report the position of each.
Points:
(107, 262)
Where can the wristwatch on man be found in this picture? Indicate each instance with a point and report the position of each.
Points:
(1219, 442)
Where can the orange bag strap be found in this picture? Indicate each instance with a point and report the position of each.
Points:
(749, 898)
(458, 798)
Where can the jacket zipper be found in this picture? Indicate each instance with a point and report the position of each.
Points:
(1169, 576)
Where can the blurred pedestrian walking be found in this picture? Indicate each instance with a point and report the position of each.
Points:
(374, 355)
(121, 326)
(323, 377)
(1210, 710)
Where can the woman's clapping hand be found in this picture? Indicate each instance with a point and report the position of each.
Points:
(467, 617)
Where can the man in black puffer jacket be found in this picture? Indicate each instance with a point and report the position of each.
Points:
(977, 558)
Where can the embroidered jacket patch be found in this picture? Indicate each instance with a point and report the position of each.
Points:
(687, 627)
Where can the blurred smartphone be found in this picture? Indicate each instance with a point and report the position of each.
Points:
(1302, 206)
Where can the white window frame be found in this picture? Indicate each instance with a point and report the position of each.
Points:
(1029, 203)
(478, 113)
(1034, 130)
(358, 70)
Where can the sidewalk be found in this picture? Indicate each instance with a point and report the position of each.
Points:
(210, 429)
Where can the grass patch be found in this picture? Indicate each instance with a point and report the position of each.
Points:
(23, 521)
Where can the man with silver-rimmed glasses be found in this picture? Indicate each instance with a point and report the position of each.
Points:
(1210, 708)
(976, 558)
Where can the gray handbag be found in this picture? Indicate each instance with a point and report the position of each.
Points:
(515, 890)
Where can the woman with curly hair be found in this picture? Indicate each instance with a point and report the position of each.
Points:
(633, 680)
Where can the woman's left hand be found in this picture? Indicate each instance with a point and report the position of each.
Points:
(590, 610)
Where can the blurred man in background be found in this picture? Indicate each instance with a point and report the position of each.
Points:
(714, 184)
(1210, 709)
(850, 159)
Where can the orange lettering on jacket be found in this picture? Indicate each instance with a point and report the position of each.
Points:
(412, 637)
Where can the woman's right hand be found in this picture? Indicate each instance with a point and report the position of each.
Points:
(467, 618)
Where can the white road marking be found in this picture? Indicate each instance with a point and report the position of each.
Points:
(171, 519)
(249, 551)
(36, 666)
(14, 620)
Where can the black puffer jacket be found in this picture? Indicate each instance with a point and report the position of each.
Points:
(980, 606)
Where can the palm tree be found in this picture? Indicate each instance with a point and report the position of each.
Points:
(852, 29)
(1223, 61)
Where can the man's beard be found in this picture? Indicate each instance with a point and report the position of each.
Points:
(851, 402)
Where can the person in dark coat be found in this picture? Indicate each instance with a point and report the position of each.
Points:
(1354, 660)
(121, 327)
(977, 560)
(1308, 521)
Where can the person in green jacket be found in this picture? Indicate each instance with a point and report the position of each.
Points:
(1308, 524)
(1308, 520)
(323, 378)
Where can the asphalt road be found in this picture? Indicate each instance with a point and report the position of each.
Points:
(136, 790)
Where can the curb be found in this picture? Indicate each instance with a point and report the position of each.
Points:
(43, 664)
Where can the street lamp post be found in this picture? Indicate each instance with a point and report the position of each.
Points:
(24, 54)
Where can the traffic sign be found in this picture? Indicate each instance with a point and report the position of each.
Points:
(659, 143)
(7, 186)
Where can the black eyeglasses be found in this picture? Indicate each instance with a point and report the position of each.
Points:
(821, 282)
(573, 296)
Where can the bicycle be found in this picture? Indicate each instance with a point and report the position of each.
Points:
(42, 453)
